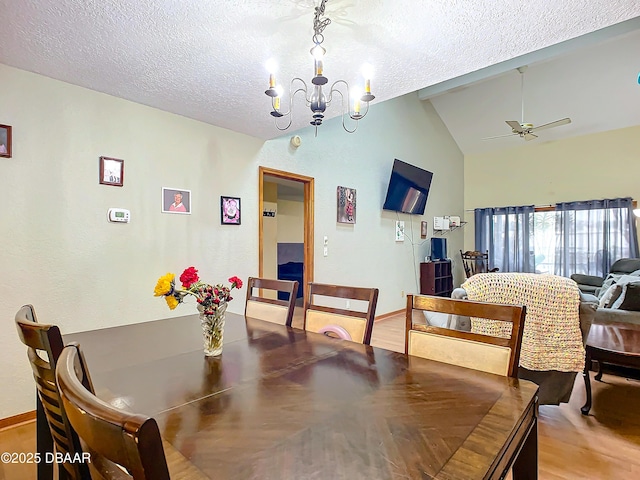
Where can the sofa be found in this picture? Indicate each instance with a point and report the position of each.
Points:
(555, 386)
(594, 285)
(617, 296)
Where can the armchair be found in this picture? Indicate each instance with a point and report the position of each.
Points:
(593, 285)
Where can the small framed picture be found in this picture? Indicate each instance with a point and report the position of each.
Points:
(111, 171)
(176, 200)
(5, 141)
(346, 205)
(229, 210)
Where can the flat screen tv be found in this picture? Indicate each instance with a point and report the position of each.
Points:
(408, 188)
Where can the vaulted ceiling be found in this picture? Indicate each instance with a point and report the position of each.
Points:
(205, 59)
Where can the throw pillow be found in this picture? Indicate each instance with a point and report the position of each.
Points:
(616, 291)
(631, 298)
(624, 283)
(611, 279)
(605, 300)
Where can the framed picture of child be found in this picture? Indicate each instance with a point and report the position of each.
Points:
(230, 211)
(111, 171)
(5, 141)
(346, 205)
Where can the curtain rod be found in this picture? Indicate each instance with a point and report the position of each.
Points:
(634, 203)
(535, 206)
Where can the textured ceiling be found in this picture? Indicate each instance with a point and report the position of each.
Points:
(596, 86)
(204, 59)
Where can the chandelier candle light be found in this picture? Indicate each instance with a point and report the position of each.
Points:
(315, 98)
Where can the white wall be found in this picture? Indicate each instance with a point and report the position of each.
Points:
(82, 273)
(603, 165)
(290, 218)
(60, 253)
(366, 254)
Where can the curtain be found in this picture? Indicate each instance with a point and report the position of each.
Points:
(591, 235)
(507, 234)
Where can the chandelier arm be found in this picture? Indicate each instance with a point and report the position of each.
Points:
(283, 128)
(332, 89)
(289, 114)
(356, 118)
(344, 125)
(292, 93)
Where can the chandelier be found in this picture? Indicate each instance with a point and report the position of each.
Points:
(315, 97)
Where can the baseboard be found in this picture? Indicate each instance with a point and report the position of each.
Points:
(17, 419)
(387, 315)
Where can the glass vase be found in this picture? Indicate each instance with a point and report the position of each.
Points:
(213, 330)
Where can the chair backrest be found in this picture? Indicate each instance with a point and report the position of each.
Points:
(46, 341)
(466, 349)
(117, 440)
(359, 324)
(475, 262)
(271, 309)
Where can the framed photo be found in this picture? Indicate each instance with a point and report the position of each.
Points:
(5, 141)
(111, 171)
(176, 200)
(346, 205)
(229, 210)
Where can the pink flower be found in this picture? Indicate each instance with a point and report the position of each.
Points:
(235, 282)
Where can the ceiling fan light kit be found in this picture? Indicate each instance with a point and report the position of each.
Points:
(525, 130)
(315, 97)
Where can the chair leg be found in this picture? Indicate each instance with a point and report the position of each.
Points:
(44, 442)
(598, 376)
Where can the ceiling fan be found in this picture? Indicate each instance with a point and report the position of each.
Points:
(525, 130)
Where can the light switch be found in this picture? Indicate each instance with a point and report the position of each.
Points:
(326, 251)
(326, 241)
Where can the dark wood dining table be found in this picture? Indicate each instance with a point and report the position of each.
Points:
(282, 403)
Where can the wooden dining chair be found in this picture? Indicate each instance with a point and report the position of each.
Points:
(44, 344)
(116, 440)
(271, 309)
(476, 262)
(358, 324)
(466, 349)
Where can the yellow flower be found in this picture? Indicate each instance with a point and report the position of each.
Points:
(164, 286)
(171, 301)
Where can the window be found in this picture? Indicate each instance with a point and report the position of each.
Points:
(576, 237)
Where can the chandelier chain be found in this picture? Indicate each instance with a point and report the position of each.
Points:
(319, 24)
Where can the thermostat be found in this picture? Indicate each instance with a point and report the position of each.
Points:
(121, 215)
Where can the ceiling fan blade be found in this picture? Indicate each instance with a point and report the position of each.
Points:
(529, 136)
(501, 136)
(557, 123)
(515, 126)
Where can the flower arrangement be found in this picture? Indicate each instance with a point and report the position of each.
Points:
(209, 297)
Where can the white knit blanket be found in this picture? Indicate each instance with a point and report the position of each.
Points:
(551, 338)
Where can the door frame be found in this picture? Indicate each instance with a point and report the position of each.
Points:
(308, 184)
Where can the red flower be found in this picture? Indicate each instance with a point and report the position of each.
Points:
(189, 277)
(235, 282)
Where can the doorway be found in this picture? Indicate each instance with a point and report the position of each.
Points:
(288, 254)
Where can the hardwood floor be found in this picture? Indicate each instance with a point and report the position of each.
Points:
(605, 445)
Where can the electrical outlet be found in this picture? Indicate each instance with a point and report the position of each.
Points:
(348, 304)
(402, 293)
